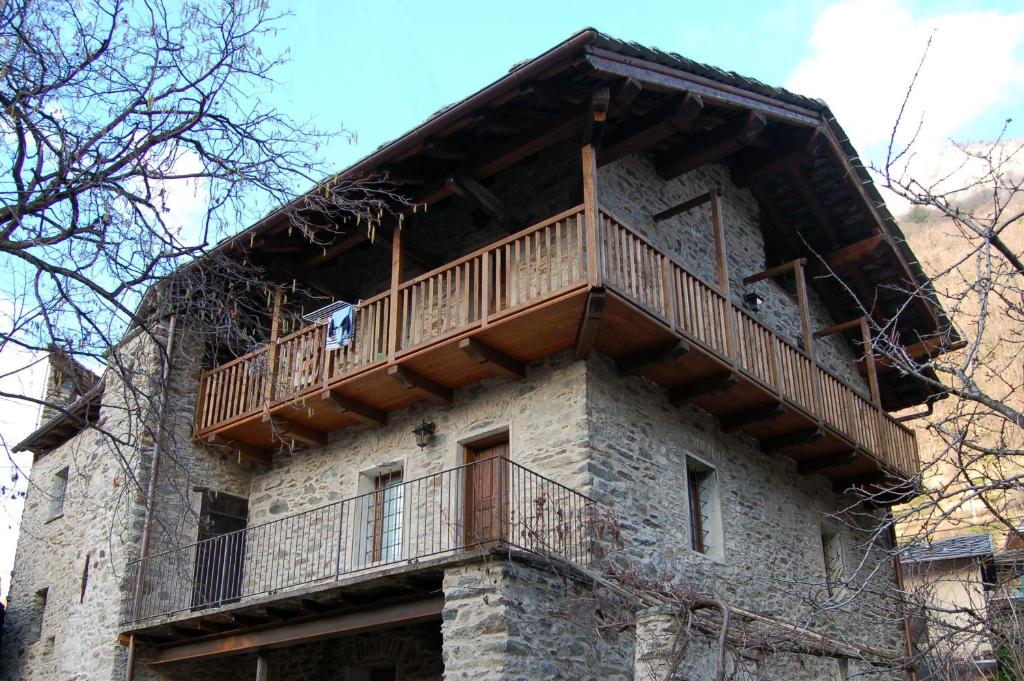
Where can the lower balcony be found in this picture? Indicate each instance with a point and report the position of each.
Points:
(380, 550)
(558, 285)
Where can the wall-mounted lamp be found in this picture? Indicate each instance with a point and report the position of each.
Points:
(424, 432)
(752, 301)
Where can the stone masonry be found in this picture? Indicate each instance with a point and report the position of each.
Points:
(616, 439)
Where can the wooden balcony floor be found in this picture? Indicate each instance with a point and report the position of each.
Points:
(626, 331)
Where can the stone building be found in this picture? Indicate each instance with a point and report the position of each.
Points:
(600, 347)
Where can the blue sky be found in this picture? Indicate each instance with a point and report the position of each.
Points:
(380, 67)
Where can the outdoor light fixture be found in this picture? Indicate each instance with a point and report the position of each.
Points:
(752, 301)
(423, 433)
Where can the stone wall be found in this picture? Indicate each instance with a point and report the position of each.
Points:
(632, 191)
(512, 620)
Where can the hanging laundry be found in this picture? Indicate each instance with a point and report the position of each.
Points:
(341, 328)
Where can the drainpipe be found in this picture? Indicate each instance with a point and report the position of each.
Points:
(129, 673)
(908, 643)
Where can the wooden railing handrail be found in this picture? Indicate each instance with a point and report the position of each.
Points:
(714, 288)
(490, 247)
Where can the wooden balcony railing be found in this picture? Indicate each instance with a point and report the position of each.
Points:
(697, 310)
(525, 269)
(522, 272)
(488, 502)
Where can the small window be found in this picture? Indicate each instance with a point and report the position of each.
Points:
(832, 555)
(705, 516)
(58, 489)
(36, 616)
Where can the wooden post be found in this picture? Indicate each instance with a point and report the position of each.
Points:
(876, 394)
(722, 265)
(262, 668)
(805, 325)
(591, 213)
(275, 330)
(397, 261)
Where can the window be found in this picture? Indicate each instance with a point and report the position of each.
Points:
(38, 612)
(705, 517)
(58, 489)
(384, 519)
(832, 554)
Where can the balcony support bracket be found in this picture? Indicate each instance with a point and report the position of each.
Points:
(492, 359)
(430, 389)
(286, 429)
(587, 334)
(803, 437)
(734, 422)
(360, 411)
(811, 466)
(667, 355)
(240, 449)
(708, 386)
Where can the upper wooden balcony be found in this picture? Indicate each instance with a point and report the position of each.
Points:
(550, 287)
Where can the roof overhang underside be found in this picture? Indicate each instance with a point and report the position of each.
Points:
(817, 200)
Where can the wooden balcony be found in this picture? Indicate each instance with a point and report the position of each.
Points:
(548, 288)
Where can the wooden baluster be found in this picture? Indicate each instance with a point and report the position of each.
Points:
(669, 293)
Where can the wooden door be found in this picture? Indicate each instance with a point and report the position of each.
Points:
(486, 493)
(220, 553)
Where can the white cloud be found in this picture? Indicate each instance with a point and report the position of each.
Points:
(864, 53)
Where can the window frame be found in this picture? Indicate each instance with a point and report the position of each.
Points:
(703, 508)
(58, 492)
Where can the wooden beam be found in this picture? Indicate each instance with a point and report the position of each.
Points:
(814, 203)
(811, 466)
(707, 386)
(626, 93)
(685, 206)
(522, 146)
(642, 132)
(288, 270)
(483, 198)
(410, 380)
(666, 355)
(777, 271)
(592, 314)
(803, 437)
(717, 145)
(446, 150)
(847, 256)
(306, 630)
(775, 160)
(734, 422)
(286, 428)
(838, 328)
(397, 273)
(593, 128)
(360, 411)
(865, 480)
(345, 243)
(591, 210)
(241, 449)
(492, 359)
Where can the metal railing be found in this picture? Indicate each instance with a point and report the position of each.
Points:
(490, 502)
